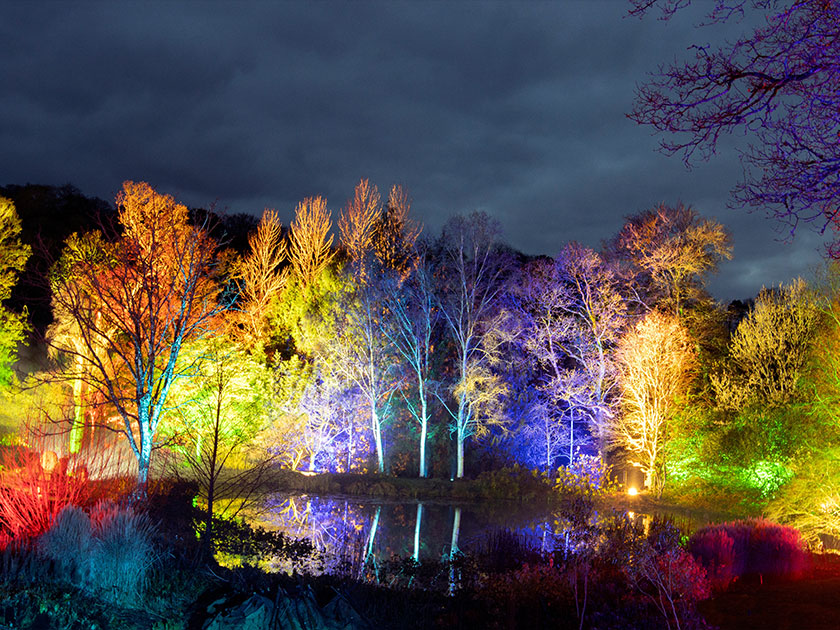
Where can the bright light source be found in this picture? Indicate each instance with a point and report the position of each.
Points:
(631, 491)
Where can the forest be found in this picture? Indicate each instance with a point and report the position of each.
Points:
(363, 344)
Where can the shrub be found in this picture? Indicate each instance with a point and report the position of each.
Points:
(122, 555)
(776, 550)
(67, 544)
(714, 549)
(751, 547)
(588, 476)
(35, 488)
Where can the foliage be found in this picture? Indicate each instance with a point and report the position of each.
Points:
(810, 502)
(656, 361)
(109, 553)
(621, 578)
(13, 256)
(310, 246)
(668, 577)
(134, 302)
(262, 277)
(667, 252)
(123, 554)
(68, 545)
(769, 351)
(36, 487)
(588, 476)
(753, 547)
(218, 429)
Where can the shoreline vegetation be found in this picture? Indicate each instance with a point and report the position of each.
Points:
(506, 585)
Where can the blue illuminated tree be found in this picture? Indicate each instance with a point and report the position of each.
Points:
(572, 314)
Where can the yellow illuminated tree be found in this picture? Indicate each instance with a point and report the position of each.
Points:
(220, 416)
(310, 243)
(656, 360)
(66, 341)
(769, 351)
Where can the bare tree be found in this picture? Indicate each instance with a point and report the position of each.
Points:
(656, 359)
(573, 313)
(262, 275)
(134, 305)
(779, 85)
(310, 243)
(413, 319)
(667, 252)
(473, 270)
(357, 227)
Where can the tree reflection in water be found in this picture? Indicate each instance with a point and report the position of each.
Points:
(357, 535)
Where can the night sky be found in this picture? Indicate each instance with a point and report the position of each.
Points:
(517, 109)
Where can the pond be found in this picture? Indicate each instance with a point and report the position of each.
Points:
(354, 529)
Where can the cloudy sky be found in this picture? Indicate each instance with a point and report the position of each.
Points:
(517, 109)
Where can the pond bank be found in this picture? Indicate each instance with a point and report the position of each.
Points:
(511, 484)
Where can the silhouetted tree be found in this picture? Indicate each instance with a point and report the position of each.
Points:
(779, 86)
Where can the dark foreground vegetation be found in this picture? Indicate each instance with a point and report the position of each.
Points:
(111, 559)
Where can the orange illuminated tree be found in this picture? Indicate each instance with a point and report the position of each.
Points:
(667, 251)
(310, 243)
(396, 234)
(357, 227)
(134, 308)
(262, 276)
(656, 361)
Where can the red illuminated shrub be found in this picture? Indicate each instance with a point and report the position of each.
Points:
(752, 547)
(35, 488)
(714, 549)
(36, 484)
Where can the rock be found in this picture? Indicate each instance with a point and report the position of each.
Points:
(288, 611)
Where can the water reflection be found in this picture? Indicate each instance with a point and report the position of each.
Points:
(357, 535)
(365, 532)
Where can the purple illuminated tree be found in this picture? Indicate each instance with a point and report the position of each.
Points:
(325, 403)
(573, 314)
(779, 85)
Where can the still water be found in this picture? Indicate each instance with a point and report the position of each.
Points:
(353, 529)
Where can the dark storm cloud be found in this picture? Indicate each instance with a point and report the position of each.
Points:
(517, 109)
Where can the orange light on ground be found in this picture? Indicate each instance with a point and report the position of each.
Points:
(632, 492)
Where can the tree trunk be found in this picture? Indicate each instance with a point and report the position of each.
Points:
(423, 428)
(377, 437)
